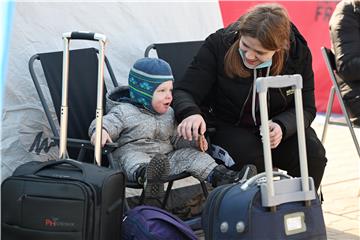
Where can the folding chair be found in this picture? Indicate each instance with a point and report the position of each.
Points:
(82, 104)
(331, 66)
(82, 97)
(178, 54)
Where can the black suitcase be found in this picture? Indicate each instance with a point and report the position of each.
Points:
(65, 199)
(62, 200)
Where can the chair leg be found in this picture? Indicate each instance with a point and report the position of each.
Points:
(142, 197)
(204, 189)
(354, 137)
(328, 113)
(81, 154)
(111, 160)
(126, 205)
(349, 124)
(167, 194)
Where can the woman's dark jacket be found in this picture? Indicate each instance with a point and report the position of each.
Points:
(345, 38)
(205, 81)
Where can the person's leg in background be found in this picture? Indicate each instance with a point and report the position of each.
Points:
(350, 91)
(353, 107)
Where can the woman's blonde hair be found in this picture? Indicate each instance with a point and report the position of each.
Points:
(268, 23)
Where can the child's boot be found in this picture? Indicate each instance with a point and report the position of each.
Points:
(157, 172)
(221, 175)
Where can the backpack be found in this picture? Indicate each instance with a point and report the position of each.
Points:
(152, 223)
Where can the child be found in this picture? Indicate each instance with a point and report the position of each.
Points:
(144, 126)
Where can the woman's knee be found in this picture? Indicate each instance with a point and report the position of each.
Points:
(242, 145)
(315, 149)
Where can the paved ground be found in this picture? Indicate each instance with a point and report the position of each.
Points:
(341, 183)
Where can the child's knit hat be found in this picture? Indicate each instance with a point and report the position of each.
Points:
(145, 76)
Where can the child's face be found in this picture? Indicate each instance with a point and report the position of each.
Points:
(162, 97)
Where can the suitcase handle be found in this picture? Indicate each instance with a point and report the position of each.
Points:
(51, 164)
(64, 111)
(85, 36)
(298, 189)
(263, 83)
(255, 178)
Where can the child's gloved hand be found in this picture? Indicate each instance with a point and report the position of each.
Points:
(203, 144)
(105, 138)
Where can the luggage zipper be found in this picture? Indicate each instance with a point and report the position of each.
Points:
(243, 107)
(251, 207)
(208, 205)
(217, 200)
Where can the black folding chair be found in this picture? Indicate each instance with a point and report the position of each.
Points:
(329, 59)
(82, 97)
(82, 104)
(178, 54)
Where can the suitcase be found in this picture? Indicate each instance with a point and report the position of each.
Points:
(262, 208)
(65, 199)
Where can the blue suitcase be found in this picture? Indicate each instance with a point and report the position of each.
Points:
(262, 208)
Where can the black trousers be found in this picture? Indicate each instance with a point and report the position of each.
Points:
(350, 90)
(245, 146)
(353, 107)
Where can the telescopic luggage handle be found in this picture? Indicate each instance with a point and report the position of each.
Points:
(100, 91)
(288, 190)
(85, 36)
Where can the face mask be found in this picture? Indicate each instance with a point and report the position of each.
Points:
(265, 64)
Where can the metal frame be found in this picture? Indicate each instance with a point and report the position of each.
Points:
(82, 144)
(297, 189)
(327, 54)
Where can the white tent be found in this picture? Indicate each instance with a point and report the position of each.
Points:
(38, 26)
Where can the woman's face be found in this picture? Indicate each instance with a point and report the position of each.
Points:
(254, 52)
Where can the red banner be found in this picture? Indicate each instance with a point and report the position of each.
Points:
(312, 19)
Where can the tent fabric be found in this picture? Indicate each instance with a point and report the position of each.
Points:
(129, 27)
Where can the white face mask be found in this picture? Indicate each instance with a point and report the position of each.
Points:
(265, 64)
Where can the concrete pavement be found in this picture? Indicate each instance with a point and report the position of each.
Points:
(341, 183)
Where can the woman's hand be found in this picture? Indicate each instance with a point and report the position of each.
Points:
(275, 134)
(105, 137)
(191, 127)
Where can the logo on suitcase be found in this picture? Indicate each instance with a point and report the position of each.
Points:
(55, 222)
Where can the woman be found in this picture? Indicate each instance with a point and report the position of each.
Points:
(262, 42)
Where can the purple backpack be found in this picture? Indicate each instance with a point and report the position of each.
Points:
(147, 223)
